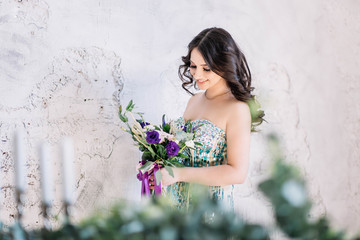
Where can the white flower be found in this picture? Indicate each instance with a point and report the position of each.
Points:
(164, 135)
(190, 144)
(172, 127)
(149, 128)
(183, 136)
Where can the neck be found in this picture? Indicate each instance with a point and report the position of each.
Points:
(217, 91)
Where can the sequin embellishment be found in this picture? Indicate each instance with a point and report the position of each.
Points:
(212, 152)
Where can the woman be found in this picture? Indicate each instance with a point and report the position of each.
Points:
(215, 64)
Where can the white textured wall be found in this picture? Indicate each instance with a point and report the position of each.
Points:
(65, 65)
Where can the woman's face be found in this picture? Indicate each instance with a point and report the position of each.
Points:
(204, 77)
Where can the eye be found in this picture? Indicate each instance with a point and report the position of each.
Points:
(207, 69)
(192, 66)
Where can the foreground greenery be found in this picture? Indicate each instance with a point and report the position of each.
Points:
(206, 219)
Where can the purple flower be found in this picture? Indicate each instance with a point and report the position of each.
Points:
(143, 124)
(184, 129)
(194, 128)
(172, 149)
(152, 137)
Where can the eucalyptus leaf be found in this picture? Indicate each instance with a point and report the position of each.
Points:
(170, 171)
(181, 136)
(158, 177)
(146, 166)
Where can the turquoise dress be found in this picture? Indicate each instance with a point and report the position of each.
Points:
(212, 152)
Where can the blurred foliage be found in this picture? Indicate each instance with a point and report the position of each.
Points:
(205, 219)
(287, 192)
(157, 219)
(257, 115)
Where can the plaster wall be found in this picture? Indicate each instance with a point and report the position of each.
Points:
(65, 66)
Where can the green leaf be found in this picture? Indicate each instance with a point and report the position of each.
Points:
(183, 156)
(143, 142)
(160, 162)
(123, 118)
(139, 113)
(146, 155)
(188, 126)
(153, 154)
(170, 171)
(197, 143)
(161, 150)
(170, 164)
(158, 177)
(166, 128)
(142, 148)
(130, 106)
(177, 164)
(146, 166)
(120, 109)
(163, 119)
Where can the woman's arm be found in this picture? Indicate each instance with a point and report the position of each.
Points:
(238, 130)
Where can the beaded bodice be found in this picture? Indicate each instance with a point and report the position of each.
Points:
(211, 152)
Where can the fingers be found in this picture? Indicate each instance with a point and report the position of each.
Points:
(151, 179)
(152, 182)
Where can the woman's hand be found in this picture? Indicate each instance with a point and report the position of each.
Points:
(166, 178)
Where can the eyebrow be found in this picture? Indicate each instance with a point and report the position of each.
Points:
(200, 64)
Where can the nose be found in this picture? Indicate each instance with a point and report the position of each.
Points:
(197, 74)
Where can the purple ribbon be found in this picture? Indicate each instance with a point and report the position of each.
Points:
(145, 178)
(157, 186)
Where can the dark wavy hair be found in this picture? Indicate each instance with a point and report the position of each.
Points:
(223, 56)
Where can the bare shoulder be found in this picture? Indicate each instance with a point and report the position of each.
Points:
(193, 99)
(191, 102)
(239, 113)
(239, 107)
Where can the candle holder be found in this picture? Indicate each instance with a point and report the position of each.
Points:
(19, 204)
(67, 207)
(46, 208)
(17, 230)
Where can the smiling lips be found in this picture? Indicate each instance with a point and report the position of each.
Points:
(201, 81)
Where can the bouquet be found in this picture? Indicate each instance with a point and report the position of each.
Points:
(161, 146)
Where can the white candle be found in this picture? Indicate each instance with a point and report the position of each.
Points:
(19, 161)
(46, 174)
(67, 151)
